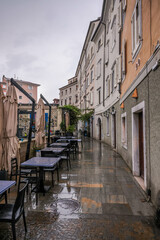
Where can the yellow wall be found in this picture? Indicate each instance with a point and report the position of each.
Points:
(150, 35)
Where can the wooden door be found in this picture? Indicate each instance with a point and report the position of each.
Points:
(141, 148)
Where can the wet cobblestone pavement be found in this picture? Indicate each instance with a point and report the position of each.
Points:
(98, 199)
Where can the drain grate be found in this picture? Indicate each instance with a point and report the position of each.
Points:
(64, 206)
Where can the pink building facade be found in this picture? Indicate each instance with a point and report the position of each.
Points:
(29, 87)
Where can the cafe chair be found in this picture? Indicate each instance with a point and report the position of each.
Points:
(32, 177)
(11, 213)
(3, 176)
(50, 169)
(15, 172)
(66, 157)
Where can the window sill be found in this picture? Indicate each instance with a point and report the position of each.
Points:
(124, 145)
(136, 51)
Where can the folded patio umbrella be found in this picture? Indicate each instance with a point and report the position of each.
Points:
(1, 125)
(11, 142)
(40, 123)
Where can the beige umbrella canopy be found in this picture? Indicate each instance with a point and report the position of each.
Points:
(11, 142)
(40, 124)
(1, 125)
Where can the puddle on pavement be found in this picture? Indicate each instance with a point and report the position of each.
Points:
(63, 206)
(120, 199)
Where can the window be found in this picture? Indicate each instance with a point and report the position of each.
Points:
(70, 99)
(124, 59)
(113, 85)
(76, 87)
(92, 52)
(70, 90)
(76, 101)
(107, 52)
(20, 97)
(61, 102)
(65, 101)
(66, 92)
(113, 32)
(99, 44)
(87, 83)
(99, 96)
(30, 87)
(136, 28)
(91, 98)
(107, 87)
(124, 130)
(62, 93)
(92, 74)
(99, 69)
(108, 125)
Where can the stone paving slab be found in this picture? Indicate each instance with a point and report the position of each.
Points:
(98, 199)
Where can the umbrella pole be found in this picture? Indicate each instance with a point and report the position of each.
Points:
(49, 118)
(13, 82)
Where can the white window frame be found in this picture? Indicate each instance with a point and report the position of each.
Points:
(30, 87)
(124, 130)
(108, 126)
(99, 96)
(99, 63)
(107, 52)
(92, 74)
(107, 87)
(113, 27)
(136, 29)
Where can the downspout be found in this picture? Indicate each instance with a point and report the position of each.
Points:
(104, 64)
(149, 160)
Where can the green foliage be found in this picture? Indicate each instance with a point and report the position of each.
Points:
(71, 128)
(86, 116)
(62, 126)
(74, 113)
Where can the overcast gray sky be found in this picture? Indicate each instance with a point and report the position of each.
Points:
(41, 40)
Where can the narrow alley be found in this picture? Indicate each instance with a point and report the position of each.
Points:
(97, 199)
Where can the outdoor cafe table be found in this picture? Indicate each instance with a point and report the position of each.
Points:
(62, 145)
(54, 150)
(5, 185)
(41, 162)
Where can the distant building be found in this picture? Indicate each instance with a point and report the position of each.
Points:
(29, 87)
(69, 93)
(4, 87)
(56, 101)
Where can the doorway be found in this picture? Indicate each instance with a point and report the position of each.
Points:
(114, 130)
(138, 142)
(99, 127)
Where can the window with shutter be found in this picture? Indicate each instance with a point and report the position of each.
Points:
(136, 23)
(120, 17)
(124, 3)
(124, 59)
(119, 68)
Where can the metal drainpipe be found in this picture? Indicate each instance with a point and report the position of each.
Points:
(104, 64)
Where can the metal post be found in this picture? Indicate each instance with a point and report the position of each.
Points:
(49, 124)
(13, 82)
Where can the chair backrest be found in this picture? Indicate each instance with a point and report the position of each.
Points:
(3, 175)
(14, 166)
(19, 203)
(48, 154)
(63, 140)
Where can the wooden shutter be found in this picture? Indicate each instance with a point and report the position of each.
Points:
(119, 68)
(120, 16)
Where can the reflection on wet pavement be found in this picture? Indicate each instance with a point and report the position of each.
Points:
(97, 199)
